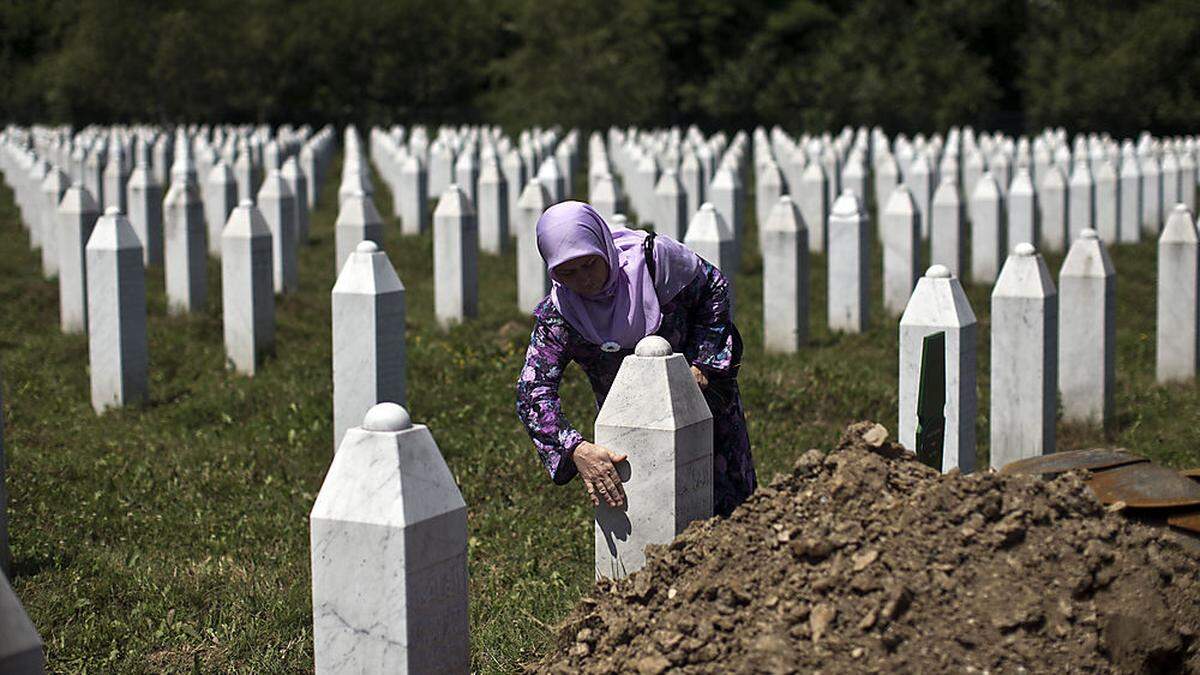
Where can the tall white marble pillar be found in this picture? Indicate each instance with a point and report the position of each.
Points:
(1021, 208)
(901, 230)
(849, 264)
(77, 214)
(987, 230)
(726, 196)
(1108, 204)
(414, 187)
(145, 199)
(533, 281)
(53, 187)
(1053, 207)
(655, 414)
(1081, 214)
(492, 207)
(278, 206)
(1131, 200)
(369, 357)
(1152, 206)
(1087, 331)
(184, 244)
(671, 206)
(357, 221)
(768, 188)
(712, 239)
(455, 258)
(1024, 380)
(785, 278)
(810, 198)
(219, 201)
(947, 227)
(118, 350)
(1177, 353)
(247, 289)
(296, 180)
(389, 563)
(939, 304)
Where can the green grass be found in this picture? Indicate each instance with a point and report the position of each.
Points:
(175, 537)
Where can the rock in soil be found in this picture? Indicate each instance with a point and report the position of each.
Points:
(864, 560)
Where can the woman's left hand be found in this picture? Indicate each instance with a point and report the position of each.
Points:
(701, 378)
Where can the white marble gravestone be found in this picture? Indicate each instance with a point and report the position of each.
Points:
(670, 216)
(1152, 206)
(53, 187)
(533, 281)
(605, 197)
(712, 239)
(1177, 353)
(184, 233)
(358, 220)
(115, 179)
(247, 289)
(466, 174)
(77, 213)
(389, 554)
(455, 258)
(514, 181)
(655, 414)
(947, 227)
(1130, 187)
(1053, 207)
(939, 304)
(492, 207)
(809, 196)
(1087, 331)
(901, 233)
(145, 199)
(1021, 208)
(785, 278)
(887, 178)
(20, 644)
(278, 205)
(552, 180)
(1024, 380)
(414, 188)
(987, 229)
(298, 183)
(768, 188)
(118, 350)
(725, 194)
(219, 200)
(849, 264)
(1108, 203)
(369, 357)
(920, 184)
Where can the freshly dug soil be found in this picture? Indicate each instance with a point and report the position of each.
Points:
(864, 560)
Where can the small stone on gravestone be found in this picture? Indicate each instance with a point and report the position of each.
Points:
(369, 356)
(1024, 376)
(455, 258)
(118, 350)
(939, 304)
(848, 263)
(358, 220)
(20, 644)
(1177, 353)
(711, 238)
(389, 564)
(785, 278)
(655, 414)
(533, 281)
(901, 250)
(77, 214)
(247, 289)
(987, 230)
(1087, 332)
(947, 227)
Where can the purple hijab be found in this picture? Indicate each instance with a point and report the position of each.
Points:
(626, 309)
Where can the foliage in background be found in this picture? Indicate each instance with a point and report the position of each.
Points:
(907, 65)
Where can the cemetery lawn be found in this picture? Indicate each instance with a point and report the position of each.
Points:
(175, 537)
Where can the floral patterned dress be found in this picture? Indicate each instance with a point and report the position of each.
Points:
(697, 323)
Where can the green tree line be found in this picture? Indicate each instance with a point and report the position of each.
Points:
(908, 65)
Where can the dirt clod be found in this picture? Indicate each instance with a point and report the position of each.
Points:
(863, 558)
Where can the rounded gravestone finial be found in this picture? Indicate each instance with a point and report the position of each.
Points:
(653, 345)
(1088, 233)
(1180, 208)
(1025, 249)
(112, 211)
(707, 206)
(785, 199)
(387, 417)
(246, 203)
(358, 193)
(846, 205)
(367, 246)
(938, 272)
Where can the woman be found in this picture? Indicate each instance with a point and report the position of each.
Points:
(612, 286)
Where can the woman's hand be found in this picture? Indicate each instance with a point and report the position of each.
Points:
(595, 464)
(701, 378)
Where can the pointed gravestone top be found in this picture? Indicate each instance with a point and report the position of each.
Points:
(454, 203)
(986, 188)
(708, 225)
(901, 202)
(785, 217)
(78, 201)
(846, 205)
(1088, 257)
(1179, 228)
(113, 232)
(1022, 184)
(246, 221)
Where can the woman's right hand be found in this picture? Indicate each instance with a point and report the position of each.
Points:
(596, 468)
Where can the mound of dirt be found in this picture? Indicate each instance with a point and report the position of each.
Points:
(864, 560)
